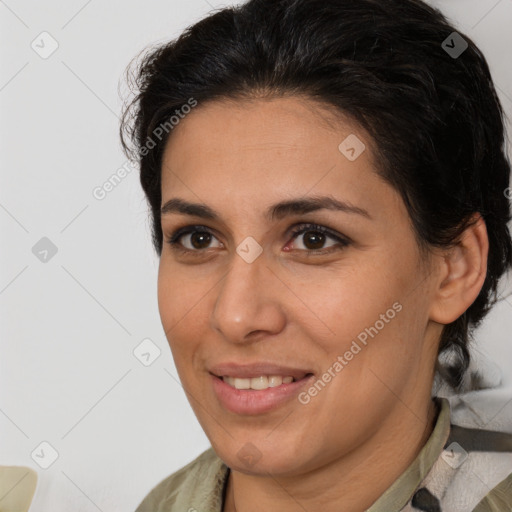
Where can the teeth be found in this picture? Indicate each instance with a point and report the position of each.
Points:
(258, 383)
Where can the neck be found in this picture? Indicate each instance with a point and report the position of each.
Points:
(351, 483)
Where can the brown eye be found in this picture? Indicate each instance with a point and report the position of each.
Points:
(315, 236)
(314, 240)
(199, 239)
(192, 239)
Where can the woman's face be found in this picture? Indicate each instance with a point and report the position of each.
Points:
(346, 313)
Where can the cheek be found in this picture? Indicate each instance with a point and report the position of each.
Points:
(371, 318)
(384, 349)
(179, 294)
(348, 301)
(181, 303)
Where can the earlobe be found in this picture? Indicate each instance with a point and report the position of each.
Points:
(464, 268)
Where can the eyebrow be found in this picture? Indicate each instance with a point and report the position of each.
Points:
(277, 211)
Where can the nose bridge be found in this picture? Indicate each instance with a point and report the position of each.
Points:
(245, 302)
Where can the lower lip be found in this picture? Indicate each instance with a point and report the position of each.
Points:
(251, 401)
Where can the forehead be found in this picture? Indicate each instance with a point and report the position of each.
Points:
(289, 142)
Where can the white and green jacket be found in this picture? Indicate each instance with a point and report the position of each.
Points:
(459, 469)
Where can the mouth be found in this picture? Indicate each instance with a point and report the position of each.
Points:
(257, 388)
(261, 382)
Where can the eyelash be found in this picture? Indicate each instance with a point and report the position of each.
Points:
(299, 230)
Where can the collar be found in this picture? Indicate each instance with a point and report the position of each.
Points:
(402, 490)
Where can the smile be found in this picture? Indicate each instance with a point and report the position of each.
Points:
(258, 395)
(258, 383)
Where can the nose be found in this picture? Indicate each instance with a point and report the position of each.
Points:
(249, 302)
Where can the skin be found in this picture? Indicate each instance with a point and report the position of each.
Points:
(344, 448)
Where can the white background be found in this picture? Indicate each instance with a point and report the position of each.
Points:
(68, 375)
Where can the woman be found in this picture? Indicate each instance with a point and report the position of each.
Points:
(328, 190)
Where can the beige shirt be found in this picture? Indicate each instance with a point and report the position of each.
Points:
(457, 470)
(17, 488)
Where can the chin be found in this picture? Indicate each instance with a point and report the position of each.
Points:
(260, 460)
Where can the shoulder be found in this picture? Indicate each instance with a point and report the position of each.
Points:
(498, 499)
(473, 473)
(198, 485)
(485, 464)
(19, 482)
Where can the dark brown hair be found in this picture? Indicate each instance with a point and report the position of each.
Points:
(434, 116)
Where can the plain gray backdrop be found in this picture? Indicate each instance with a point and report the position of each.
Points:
(78, 273)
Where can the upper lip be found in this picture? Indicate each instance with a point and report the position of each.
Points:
(256, 370)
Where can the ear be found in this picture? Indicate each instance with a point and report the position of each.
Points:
(462, 274)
